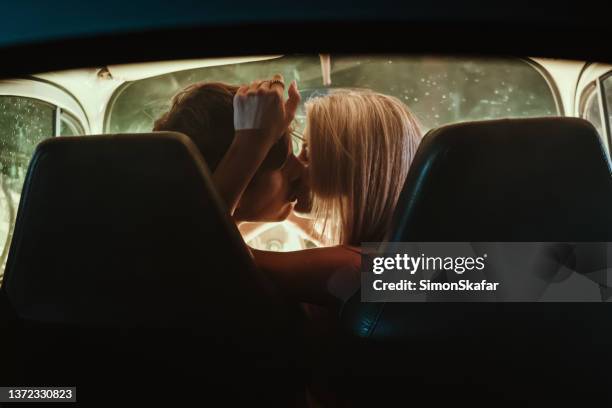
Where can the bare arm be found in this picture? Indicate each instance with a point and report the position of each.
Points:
(260, 118)
(315, 275)
(235, 171)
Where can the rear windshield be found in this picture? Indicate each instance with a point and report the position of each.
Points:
(439, 90)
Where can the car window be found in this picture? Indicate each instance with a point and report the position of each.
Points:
(69, 125)
(24, 122)
(607, 86)
(595, 93)
(592, 112)
(136, 105)
(443, 90)
(440, 90)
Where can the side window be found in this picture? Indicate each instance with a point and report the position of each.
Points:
(594, 97)
(24, 122)
(69, 125)
(591, 110)
(606, 82)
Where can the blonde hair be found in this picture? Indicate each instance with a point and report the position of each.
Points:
(361, 144)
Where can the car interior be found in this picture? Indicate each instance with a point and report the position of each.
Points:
(123, 273)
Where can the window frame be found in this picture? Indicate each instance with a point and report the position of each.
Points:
(108, 109)
(550, 81)
(62, 100)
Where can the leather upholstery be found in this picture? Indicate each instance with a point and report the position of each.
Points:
(126, 230)
(541, 179)
(125, 265)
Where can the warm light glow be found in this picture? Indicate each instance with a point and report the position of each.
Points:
(279, 237)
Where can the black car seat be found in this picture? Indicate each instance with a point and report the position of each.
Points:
(540, 179)
(122, 240)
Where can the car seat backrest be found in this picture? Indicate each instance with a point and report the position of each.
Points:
(127, 230)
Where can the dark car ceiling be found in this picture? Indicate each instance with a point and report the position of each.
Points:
(41, 35)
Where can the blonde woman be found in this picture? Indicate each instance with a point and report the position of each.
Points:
(358, 146)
